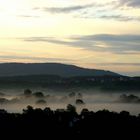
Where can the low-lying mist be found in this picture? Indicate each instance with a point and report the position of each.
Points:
(15, 100)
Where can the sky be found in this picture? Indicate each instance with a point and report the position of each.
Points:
(99, 34)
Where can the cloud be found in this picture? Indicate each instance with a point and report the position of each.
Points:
(111, 10)
(121, 44)
(129, 3)
(45, 39)
(118, 44)
(116, 17)
(66, 9)
(110, 37)
(36, 8)
(42, 59)
(118, 64)
(28, 16)
(120, 17)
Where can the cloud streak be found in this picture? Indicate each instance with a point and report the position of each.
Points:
(118, 64)
(28, 16)
(66, 9)
(120, 17)
(42, 59)
(130, 3)
(114, 17)
(118, 44)
(109, 11)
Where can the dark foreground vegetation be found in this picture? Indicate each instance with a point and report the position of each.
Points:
(46, 124)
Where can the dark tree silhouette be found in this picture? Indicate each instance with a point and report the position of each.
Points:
(129, 98)
(2, 111)
(27, 92)
(79, 102)
(28, 109)
(71, 108)
(33, 123)
(38, 94)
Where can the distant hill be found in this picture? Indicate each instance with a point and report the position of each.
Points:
(63, 70)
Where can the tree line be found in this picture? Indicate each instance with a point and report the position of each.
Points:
(67, 123)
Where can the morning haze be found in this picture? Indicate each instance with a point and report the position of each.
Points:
(70, 67)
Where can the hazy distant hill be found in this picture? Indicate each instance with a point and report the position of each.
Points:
(20, 69)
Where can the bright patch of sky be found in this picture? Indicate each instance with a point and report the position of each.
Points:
(82, 32)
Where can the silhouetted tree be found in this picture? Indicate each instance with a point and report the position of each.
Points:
(84, 110)
(124, 113)
(29, 109)
(71, 108)
(79, 102)
(38, 94)
(67, 123)
(47, 109)
(27, 92)
(129, 98)
(2, 111)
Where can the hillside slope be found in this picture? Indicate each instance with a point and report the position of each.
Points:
(20, 69)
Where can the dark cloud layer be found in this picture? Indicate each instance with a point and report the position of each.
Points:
(66, 9)
(119, 44)
(110, 37)
(130, 3)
